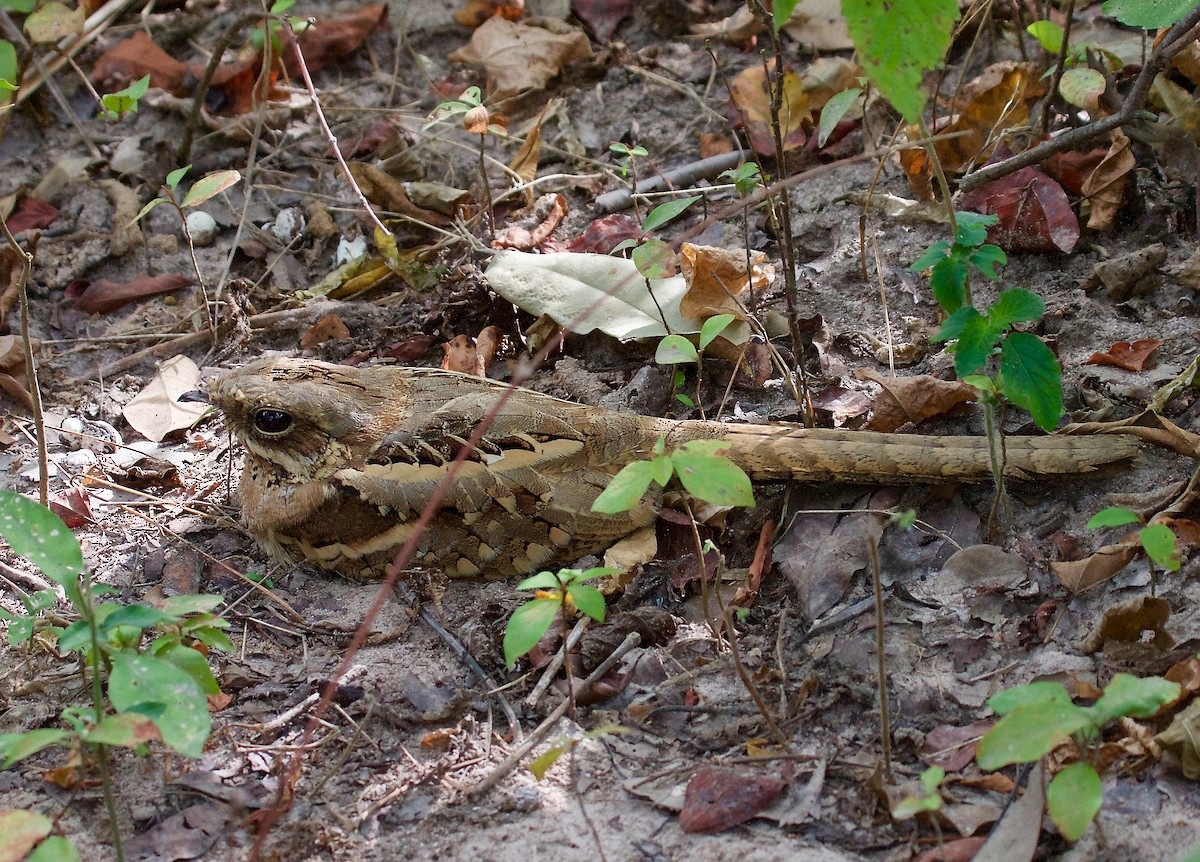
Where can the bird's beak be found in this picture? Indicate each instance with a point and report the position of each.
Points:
(196, 395)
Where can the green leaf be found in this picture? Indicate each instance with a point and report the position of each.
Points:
(626, 489)
(1014, 306)
(712, 478)
(833, 111)
(713, 327)
(936, 252)
(210, 185)
(602, 571)
(1113, 516)
(526, 627)
(1073, 797)
(1160, 545)
(1048, 34)
(1031, 378)
(985, 385)
(18, 746)
(149, 206)
(898, 41)
(122, 102)
(541, 581)
(976, 344)
(147, 684)
(1030, 732)
(986, 258)
(948, 281)
(40, 536)
(781, 11)
(588, 600)
(1148, 14)
(675, 349)
(56, 848)
(139, 616)
(192, 603)
(176, 175)
(127, 729)
(22, 7)
(1042, 691)
(281, 6)
(957, 322)
(654, 259)
(664, 213)
(745, 177)
(52, 22)
(1136, 697)
(1082, 87)
(193, 663)
(541, 764)
(971, 228)
(8, 65)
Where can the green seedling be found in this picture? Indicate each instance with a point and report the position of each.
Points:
(1039, 717)
(1157, 540)
(628, 155)
(697, 467)
(566, 590)
(122, 102)
(930, 799)
(141, 691)
(678, 350)
(274, 26)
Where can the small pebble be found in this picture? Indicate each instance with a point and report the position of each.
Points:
(202, 227)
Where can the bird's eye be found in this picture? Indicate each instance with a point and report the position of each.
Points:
(269, 420)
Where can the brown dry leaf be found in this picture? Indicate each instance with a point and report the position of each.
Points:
(412, 349)
(841, 404)
(156, 411)
(1131, 357)
(103, 296)
(486, 346)
(461, 355)
(1071, 169)
(750, 96)
(959, 850)
(385, 191)
(525, 163)
(1179, 104)
(1079, 575)
(828, 76)
(519, 57)
(713, 144)
(475, 12)
(913, 399)
(602, 235)
(73, 506)
(1129, 621)
(1035, 213)
(736, 29)
(716, 276)
(953, 747)
(29, 213)
(719, 798)
(135, 58)
(1187, 674)
(546, 215)
(1105, 186)
(330, 39)
(754, 357)
(328, 328)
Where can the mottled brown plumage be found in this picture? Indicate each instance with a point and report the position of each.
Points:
(340, 461)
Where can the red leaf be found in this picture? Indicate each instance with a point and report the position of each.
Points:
(719, 798)
(602, 16)
(1131, 357)
(1034, 212)
(31, 213)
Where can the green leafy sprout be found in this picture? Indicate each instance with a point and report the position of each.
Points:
(697, 466)
(1039, 717)
(565, 589)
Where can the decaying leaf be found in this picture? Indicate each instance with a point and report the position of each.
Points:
(1131, 357)
(592, 291)
(716, 277)
(1105, 186)
(1129, 621)
(1035, 213)
(719, 798)
(1182, 738)
(535, 226)
(328, 328)
(603, 16)
(103, 296)
(519, 57)
(750, 95)
(1079, 575)
(914, 399)
(156, 411)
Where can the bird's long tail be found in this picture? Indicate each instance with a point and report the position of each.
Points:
(789, 452)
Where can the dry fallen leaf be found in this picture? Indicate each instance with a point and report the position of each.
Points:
(1131, 357)
(717, 276)
(519, 57)
(103, 296)
(914, 399)
(1105, 186)
(328, 328)
(156, 411)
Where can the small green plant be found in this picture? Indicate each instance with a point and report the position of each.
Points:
(629, 154)
(678, 350)
(208, 186)
(566, 590)
(478, 121)
(1039, 717)
(654, 258)
(122, 102)
(274, 26)
(155, 690)
(929, 800)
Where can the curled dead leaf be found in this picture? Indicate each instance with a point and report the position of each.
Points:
(716, 277)
(103, 296)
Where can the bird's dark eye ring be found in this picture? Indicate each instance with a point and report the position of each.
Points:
(270, 420)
